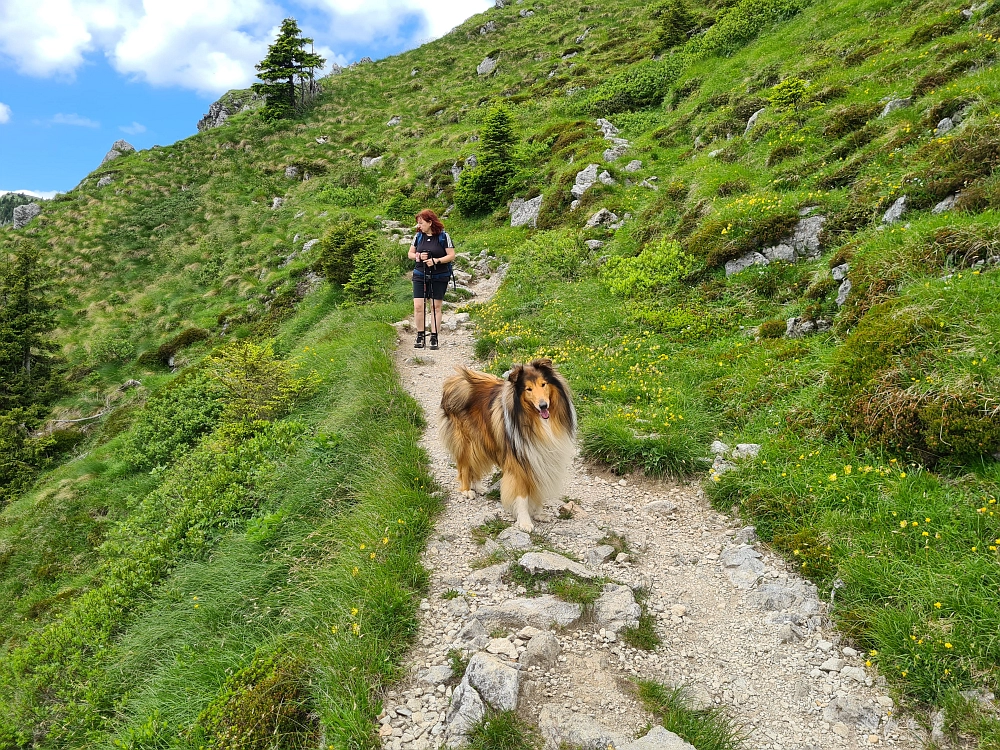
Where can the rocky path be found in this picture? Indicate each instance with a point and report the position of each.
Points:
(736, 626)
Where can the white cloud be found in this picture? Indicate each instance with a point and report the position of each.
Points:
(4, 113)
(209, 47)
(134, 129)
(44, 194)
(73, 119)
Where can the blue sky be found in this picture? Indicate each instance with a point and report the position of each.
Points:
(77, 75)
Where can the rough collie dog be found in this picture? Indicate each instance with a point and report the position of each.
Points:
(524, 425)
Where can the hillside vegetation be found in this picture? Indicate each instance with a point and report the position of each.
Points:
(238, 536)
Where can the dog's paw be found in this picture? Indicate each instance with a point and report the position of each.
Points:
(525, 525)
(468, 494)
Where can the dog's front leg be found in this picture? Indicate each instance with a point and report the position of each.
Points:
(522, 514)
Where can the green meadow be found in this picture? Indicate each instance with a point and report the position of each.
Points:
(239, 535)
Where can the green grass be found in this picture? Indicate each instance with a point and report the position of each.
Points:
(503, 731)
(185, 239)
(705, 728)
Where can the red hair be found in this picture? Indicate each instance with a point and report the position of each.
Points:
(427, 215)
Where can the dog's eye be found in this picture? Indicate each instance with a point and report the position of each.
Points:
(528, 388)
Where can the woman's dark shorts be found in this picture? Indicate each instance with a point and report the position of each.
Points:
(436, 287)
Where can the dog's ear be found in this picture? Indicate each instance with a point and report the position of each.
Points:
(515, 373)
(543, 363)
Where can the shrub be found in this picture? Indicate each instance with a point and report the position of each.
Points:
(372, 275)
(658, 266)
(337, 249)
(258, 386)
(642, 85)
(264, 705)
(676, 22)
(484, 187)
(114, 346)
(772, 329)
(789, 94)
(171, 421)
(675, 452)
(741, 23)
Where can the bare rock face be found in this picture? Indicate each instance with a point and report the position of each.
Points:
(525, 213)
(487, 66)
(119, 148)
(540, 612)
(497, 683)
(560, 726)
(24, 214)
(229, 104)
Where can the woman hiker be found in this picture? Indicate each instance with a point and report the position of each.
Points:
(432, 252)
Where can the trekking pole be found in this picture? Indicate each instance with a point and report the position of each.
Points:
(426, 293)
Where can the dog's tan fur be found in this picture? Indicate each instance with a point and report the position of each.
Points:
(487, 422)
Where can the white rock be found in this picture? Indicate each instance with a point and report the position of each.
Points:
(658, 738)
(633, 166)
(753, 120)
(540, 612)
(616, 608)
(487, 66)
(525, 212)
(502, 647)
(496, 682)
(550, 562)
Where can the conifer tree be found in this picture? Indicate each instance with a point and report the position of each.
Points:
(287, 59)
(484, 187)
(27, 316)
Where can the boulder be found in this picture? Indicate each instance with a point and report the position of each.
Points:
(456, 172)
(593, 244)
(616, 608)
(371, 162)
(473, 634)
(895, 104)
(105, 181)
(946, 205)
(718, 448)
(540, 612)
(599, 555)
(797, 328)
(276, 203)
(746, 450)
(608, 129)
(525, 212)
(896, 211)
(658, 738)
(497, 683)
(805, 239)
(23, 215)
(466, 710)
(118, 148)
(487, 66)
(394, 121)
(309, 245)
(471, 161)
(633, 166)
(944, 126)
(550, 562)
(435, 675)
(291, 172)
(585, 178)
(781, 252)
(542, 652)
(487, 28)
(561, 727)
(526, 13)
(738, 265)
(839, 273)
(604, 217)
(843, 291)
(616, 151)
(512, 537)
(753, 120)
(605, 178)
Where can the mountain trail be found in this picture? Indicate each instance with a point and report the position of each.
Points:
(737, 628)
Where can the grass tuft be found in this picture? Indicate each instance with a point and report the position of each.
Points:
(705, 728)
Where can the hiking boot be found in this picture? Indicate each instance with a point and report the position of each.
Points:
(434, 341)
(419, 343)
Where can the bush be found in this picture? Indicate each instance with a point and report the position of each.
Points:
(264, 705)
(485, 186)
(372, 275)
(789, 94)
(642, 85)
(772, 329)
(172, 421)
(658, 266)
(676, 23)
(337, 249)
(114, 346)
(675, 452)
(741, 23)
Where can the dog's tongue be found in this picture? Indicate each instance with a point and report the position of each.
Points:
(544, 413)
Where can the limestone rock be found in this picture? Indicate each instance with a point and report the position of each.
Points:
(615, 152)
(658, 738)
(742, 566)
(105, 181)
(118, 148)
(744, 262)
(719, 448)
(660, 508)
(371, 162)
(513, 538)
(839, 273)
(782, 252)
(473, 634)
(525, 212)
(633, 166)
(805, 239)
(585, 178)
(526, 13)
(435, 675)
(895, 104)
(394, 121)
(944, 126)
(746, 450)
(607, 128)
(542, 651)
(599, 555)
(502, 647)
(276, 203)
(843, 291)
(896, 211)
(466, 710)
(487, 28)
(496, 682)
(616, 608)
(753, 120)
(23, 215)
(946, 205)
(540, 612)
(560, 726)
(603, 217)
(550, 562)
(605, 178)
(487, 66)
(309, 245)
(229, 104)
(594, 244)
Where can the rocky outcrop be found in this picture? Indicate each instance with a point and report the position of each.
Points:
(118, 148)
(229, 104)
(24, 214)
(487, 66)
(803, 243)
(525, 212)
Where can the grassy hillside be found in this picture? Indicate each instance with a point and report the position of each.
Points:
(241, 527)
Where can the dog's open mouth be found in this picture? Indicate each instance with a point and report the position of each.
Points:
(544, 413)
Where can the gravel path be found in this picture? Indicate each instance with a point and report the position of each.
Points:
(736, 626)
